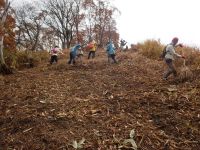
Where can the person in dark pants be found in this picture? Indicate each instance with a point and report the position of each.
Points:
(91, 53)
(111, 52)
(54, 58)
(54, 55)
(170, 57)
(73, 53)
(92, 46)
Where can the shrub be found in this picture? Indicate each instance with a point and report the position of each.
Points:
(150, 48)
(24, 59)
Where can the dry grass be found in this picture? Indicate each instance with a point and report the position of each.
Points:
(1, 77)
(151, 49)
(23, 59)
(185, 73)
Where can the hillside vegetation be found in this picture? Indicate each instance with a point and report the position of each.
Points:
(54, 107)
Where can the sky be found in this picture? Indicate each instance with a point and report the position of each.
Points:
(159, 19)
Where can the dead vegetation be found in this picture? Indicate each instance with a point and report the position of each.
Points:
(95, 105)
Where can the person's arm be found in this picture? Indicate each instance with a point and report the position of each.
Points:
(60, 51)
(179, 45)
(176, 54)
(50, 52)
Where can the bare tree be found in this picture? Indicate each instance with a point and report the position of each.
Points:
(49, 38)
(89, 10)
(61, 19)
(100, 22)
(78, 16)
(105, 21)
(30, 22)
(3, 15)
(70, 21)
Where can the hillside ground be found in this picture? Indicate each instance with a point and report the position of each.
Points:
(49, 107)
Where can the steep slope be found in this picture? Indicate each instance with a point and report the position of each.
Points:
(50, 106)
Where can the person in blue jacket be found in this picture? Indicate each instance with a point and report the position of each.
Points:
(73, 53)
(111, 51)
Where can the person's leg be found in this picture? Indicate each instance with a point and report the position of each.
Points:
(51, 60)
(115, 61)
(89, 54)
(171, 69)
(108, 58)
(93, 54)
(73, 59)
(70, 58)
(113, 58)
(56, 58)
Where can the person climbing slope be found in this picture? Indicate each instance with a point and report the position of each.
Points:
(92, 49)
(54, 54)
(73, 53)
(111, 52)
(170, 56)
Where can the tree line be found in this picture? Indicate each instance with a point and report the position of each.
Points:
(40, 25)
(43, 24)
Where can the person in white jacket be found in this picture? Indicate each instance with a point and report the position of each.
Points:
(170, 56)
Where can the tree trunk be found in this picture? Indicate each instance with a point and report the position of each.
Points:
(4, 69)
(101, 37)
(2, 61)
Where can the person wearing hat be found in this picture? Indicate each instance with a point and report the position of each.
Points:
(170, 57)
(73, 53)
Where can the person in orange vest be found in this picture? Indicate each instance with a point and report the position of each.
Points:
(92, 46)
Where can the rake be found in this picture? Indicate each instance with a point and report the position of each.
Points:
(185, 73)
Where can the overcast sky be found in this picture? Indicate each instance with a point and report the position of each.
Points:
(164, 19)
(158, 19)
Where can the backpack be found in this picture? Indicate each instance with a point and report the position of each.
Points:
(162, 55)
(54, 50)
(90, 46)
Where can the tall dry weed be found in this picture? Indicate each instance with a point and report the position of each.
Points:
(152, 49)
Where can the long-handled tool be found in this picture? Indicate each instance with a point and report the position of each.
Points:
(185, 73)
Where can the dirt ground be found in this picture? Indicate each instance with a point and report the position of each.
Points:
(49, 107)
